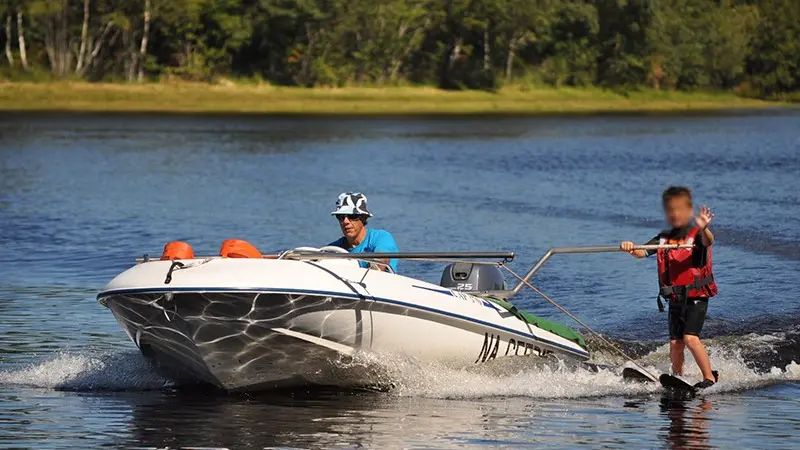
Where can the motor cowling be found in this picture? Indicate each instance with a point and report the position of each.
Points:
(473, 277)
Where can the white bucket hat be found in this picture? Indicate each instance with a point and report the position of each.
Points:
(351, 203)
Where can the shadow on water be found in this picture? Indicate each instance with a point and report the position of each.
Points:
(298, 419)
(319, 418)
(177, 419)
(326, 418)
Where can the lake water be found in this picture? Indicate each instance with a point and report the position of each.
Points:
(82, 195)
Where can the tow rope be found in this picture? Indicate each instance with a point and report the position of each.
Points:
(581, 323)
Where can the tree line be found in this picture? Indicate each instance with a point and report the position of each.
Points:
(752, 46)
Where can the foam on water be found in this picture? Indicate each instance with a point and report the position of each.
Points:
(508, 377)
(526, 377)
(89, 371)
(521, 379)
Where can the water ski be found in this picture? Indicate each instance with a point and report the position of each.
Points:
(675, 384)
(634, 373)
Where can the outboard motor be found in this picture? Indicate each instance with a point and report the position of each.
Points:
(473, 277)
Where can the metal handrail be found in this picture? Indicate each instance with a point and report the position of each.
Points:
(591, 249)
(505, 256)
(309, 255)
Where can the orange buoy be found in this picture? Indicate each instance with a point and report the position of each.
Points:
(177, 250)
(237, 248)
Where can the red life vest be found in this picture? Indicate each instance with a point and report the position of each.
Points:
(678, 278)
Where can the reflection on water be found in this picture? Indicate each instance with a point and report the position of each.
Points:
(81, 195)
(327, 419)
(320, 420)
(688, 427)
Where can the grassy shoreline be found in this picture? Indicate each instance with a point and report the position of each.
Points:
(260, 99)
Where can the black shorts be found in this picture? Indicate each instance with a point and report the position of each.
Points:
(688, 320)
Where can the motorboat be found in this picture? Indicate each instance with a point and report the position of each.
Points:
(255, 323)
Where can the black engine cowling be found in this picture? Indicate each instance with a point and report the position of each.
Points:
(473, 277)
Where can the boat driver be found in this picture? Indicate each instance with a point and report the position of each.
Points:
(352, 213)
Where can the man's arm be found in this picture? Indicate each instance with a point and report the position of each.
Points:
(385, 244)
(384, 267)
(702, 220)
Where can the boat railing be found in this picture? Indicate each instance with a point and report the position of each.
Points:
(497, 258)
(380, 259)
(373, 257)
(504, 257)
(423, 256)
(583, 250)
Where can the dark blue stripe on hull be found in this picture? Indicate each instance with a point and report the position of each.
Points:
(565, 348)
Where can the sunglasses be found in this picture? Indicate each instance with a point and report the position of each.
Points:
(352, 217)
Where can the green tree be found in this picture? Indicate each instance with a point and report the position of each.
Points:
(454, 44)
(572, 49)
(774, 58)
(623, 44)
(698, 44)
(523, 23)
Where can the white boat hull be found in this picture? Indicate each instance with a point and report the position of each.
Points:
(249, 324)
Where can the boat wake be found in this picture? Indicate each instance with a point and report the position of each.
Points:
(745, 362)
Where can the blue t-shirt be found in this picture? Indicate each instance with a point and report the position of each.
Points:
(376, 241)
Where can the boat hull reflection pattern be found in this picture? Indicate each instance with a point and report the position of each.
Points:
(228, 339)
(241, 340)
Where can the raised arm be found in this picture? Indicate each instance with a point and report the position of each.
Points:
(702, 220)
